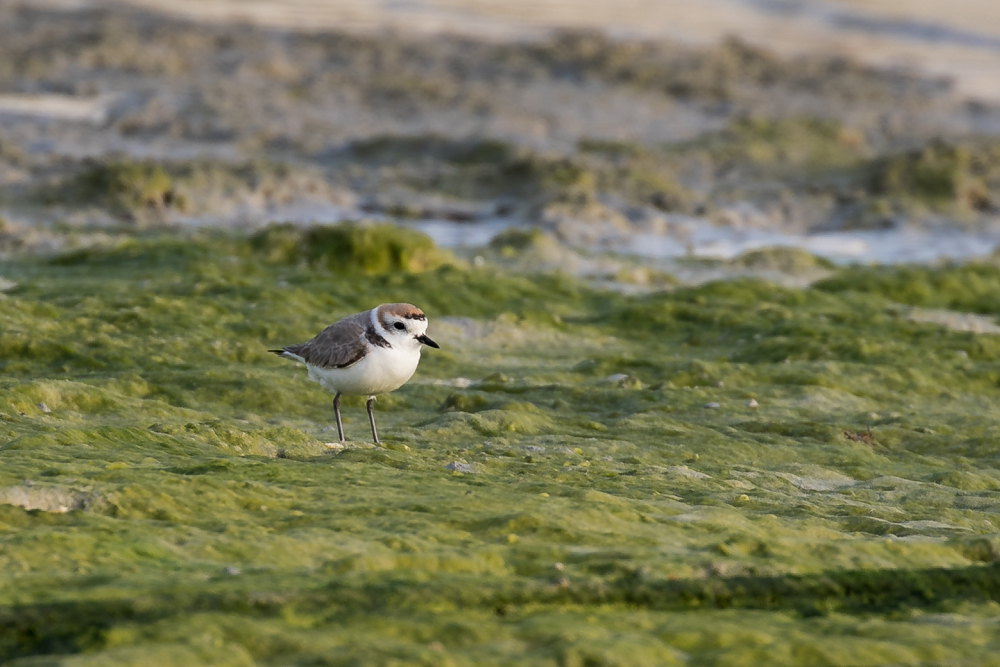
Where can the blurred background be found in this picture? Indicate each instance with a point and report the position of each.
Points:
(659, 131)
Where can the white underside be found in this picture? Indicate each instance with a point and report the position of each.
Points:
(382, 370)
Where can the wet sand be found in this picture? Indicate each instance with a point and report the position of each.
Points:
(159, 88)
(959, 40)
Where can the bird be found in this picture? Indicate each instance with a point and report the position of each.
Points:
(370, 353)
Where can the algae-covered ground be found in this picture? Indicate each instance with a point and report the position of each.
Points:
(730, 474)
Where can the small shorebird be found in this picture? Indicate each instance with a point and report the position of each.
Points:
(367, 354)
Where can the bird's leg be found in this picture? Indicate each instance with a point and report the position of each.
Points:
(371, 418)
(336, 411)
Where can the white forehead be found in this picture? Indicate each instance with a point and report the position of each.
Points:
(418, 327)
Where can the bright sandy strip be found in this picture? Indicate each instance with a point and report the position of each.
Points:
(56, 107)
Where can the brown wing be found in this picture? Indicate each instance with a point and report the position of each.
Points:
(338, 346)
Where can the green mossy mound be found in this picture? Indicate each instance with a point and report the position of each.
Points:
(793, 142)
(793, 261)
(973, 287)
(393, 149)
(126, 187)
(941, 176)
(136, 253)
(515, 240)
(490, 169)
(530, 248)
(349, 248)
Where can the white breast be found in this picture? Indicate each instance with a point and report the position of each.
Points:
(383, 369)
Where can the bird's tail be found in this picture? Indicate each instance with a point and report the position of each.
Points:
(288, 354)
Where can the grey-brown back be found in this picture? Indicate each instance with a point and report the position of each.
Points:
(340, 345)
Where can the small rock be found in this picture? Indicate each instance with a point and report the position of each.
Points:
(963, 354)
(559, 567)
(562, 582)
(720, 383)
(232, 570)
(461, 383)
(44, 408)
(712, 406)
(458, 466)
(752, 403)
(537, 449)
(334, 446)
(617, 377)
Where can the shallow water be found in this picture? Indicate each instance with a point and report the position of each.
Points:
(697, 237)
(892, 246)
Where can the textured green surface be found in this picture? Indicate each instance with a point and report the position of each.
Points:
(178, 503)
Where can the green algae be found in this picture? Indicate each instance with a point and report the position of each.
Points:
(972, 287)
(149, 193)
(125, 187)
(388, 149)
(719, 74)
(349, 248)
(941, 176)
(794, 142)
(172, 493)
(804, 167)
(490, 169)
(783, 259)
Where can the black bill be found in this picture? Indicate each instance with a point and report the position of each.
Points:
(427, 341)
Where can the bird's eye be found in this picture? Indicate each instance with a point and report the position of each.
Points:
(399, 325)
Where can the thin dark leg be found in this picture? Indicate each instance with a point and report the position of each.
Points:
(371, 418)
(336, 411)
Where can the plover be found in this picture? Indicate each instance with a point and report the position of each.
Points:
(367, 354)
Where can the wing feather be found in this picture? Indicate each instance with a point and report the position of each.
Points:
(339, 345)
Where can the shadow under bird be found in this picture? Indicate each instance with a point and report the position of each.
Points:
(367, 354)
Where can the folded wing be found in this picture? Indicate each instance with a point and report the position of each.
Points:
(339, 345)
